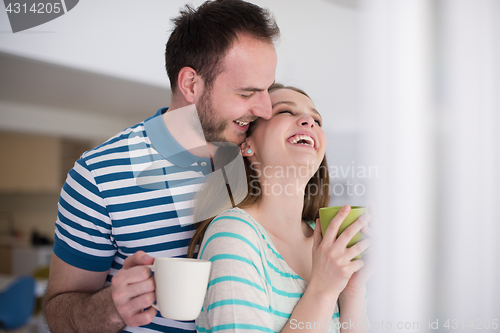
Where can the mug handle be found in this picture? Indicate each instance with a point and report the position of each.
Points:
(152, 267)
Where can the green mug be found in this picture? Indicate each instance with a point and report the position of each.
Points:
(326, 214)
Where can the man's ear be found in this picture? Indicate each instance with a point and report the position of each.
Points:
(190, 84)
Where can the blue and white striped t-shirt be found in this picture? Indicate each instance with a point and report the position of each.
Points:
(251, 287)
(133, 192)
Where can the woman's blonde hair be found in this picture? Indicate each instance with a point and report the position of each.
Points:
(316, 195)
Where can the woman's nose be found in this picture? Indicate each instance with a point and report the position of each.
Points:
(307, 121)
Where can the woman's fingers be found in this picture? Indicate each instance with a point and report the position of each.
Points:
(356, 265)
(333, 227)
(317, 236)
(369, 231)
(332, 260)
(346, 236)
(358, 248)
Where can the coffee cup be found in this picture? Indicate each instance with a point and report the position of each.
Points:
(326, 214)
(181, 284)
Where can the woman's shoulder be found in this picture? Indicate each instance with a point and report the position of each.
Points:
(235, 220)
(232, 232)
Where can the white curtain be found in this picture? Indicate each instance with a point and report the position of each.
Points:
(430, 97)
(469, 159)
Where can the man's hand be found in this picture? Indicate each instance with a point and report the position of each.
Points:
(76, 300)
(133, 290)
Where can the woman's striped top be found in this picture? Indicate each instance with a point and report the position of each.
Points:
(251, 286)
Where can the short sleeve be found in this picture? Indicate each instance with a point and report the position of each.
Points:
(83, 227)
(237, 298)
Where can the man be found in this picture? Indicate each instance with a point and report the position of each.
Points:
(120, 200)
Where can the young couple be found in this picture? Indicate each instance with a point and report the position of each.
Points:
(111, 225)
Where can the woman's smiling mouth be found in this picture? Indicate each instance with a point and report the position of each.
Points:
(302, 139)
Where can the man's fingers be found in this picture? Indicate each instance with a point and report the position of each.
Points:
(142, 302)
(138, 258)
(142, 287)
(133, 290)
(145, 317)
(134, 313)
(131, 276)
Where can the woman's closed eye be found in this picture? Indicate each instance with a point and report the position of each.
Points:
(318, 121)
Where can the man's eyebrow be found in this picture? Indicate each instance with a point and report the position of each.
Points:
(251, 89)
(294, 104)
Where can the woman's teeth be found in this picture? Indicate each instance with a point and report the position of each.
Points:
(302, 139)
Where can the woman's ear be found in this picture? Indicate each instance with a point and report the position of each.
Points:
(246, 149)
(189, 84)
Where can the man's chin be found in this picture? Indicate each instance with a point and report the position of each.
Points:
(229, 133)
(237, 139)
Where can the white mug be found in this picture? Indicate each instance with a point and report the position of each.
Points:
(181, 284)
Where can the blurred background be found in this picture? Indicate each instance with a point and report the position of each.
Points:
(409, 94)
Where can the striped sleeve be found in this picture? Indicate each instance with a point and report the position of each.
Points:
(237, 298)
(83, 226)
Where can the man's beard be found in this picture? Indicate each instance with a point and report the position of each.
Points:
(213, 126)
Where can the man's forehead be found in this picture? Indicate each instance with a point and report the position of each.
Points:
(250, 69)
(249, 50)
(243, 40)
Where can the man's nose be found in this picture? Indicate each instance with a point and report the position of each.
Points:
(263, 107)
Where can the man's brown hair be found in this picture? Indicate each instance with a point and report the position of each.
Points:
(202, 37)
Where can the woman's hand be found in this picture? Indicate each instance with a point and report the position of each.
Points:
(332, 267)
(358, 280)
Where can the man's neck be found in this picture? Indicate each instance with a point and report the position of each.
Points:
(183, 123)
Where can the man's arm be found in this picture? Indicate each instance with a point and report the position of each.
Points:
(77, 301)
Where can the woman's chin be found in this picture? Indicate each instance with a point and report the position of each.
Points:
(306, 165)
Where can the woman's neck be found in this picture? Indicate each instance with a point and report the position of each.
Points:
(279, 209)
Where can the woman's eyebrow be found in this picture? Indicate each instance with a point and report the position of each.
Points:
(285, 102)
(316, 111)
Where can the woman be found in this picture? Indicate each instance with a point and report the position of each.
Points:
(271, 269)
